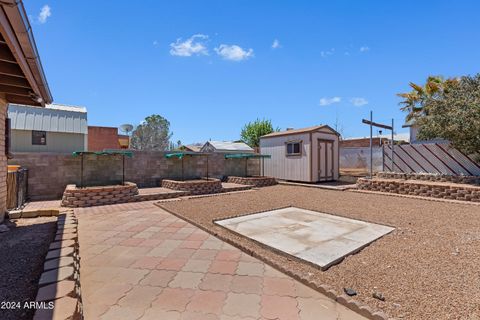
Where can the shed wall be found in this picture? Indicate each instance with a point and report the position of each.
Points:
(296, 168)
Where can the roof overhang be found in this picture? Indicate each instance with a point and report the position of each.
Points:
(22, 79)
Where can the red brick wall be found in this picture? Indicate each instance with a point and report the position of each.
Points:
(3, 161)
(100, 138)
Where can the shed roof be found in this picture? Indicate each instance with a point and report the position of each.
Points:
(52, 118)
(297, 131)
(229, 146)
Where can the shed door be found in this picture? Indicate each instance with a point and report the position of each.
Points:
(325, 160)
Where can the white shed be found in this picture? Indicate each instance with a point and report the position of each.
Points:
(307, 155)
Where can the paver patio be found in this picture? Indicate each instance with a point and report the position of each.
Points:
(140, 262)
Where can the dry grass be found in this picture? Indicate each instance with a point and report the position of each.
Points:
(428, 268)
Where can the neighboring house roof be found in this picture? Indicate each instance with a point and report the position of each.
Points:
(402, 136)
(191, 147)
(52, 118)
(22, 77)
(297, 131)
(227, 146)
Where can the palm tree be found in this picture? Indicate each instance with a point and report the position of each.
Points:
(413, 101)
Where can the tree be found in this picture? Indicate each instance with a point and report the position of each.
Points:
(252, 131)
(413, 101)
(454, 115)
(152, 134)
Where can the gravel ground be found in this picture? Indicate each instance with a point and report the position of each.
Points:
(428, 268)
(22, 253)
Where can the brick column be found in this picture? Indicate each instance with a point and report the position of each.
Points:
(3, 160)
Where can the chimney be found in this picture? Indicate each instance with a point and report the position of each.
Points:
(289, 129)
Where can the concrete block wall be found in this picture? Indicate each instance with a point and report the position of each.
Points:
(50, 173)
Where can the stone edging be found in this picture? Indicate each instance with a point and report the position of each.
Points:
(257, 181)
(474, 180)
(433, 189)
(194, 187)
(408, 196)
(59, 283)
(327, 290)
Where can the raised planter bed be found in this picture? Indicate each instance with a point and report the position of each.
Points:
(474, 180)
(75, 197)
(256, 181)
(434, 189)
(194, 187)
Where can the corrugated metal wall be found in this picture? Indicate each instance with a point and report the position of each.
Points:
(47, 119)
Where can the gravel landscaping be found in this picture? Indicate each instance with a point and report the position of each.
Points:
(22, 253)
(427, 268)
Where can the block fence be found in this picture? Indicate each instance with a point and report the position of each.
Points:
(50, 173)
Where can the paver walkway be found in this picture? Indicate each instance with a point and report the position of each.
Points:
(140, 262)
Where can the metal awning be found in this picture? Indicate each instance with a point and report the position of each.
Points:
(103, 153)
(246, 156)
(181, 154)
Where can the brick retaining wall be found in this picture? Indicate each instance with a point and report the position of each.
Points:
(432, 189)
(74, 197)
(194, 187)
(50, 173)
(253, 181)
(475, 180)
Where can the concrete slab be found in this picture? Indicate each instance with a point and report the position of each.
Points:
(319, 238)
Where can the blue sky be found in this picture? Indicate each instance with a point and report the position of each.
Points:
(211, 66)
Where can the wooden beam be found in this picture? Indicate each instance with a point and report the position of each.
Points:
(14, 81)
(10, 69)
(5, 54)
(12, 98)
(16, 90)
(376, 124)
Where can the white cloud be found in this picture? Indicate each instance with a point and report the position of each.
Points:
(327, 53)
(45, 12)
(358, 102)
(155, 43)
(276, 44)
(233, 52)
(195, 45)
(364, 49)
(328, 101)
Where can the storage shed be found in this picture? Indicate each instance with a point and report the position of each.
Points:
(307, 155)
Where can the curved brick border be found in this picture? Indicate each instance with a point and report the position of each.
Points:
(256, 181)
(194, 187)
(388, 194)
(60, 282)
(74, 197)
(434, 189)
(327, 290)
(430, 177)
